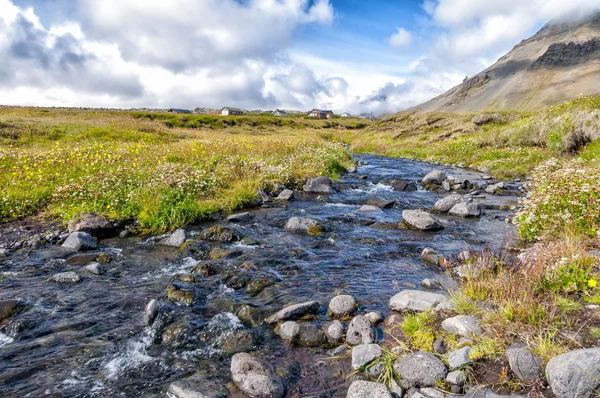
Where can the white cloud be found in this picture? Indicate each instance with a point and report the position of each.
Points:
(402, 38)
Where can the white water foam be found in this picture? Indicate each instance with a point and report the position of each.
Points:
(132, 356)
(4, 340)
(371, 188)
(186, 265)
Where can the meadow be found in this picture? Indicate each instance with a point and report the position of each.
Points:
(163, 170)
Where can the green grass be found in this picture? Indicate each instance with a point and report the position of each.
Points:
(64, 162)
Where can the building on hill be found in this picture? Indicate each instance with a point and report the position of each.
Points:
(279, 112)
(175, 110)
(320, 114)
(231, 111)
(346, 114)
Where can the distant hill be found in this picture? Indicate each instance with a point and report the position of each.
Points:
(559, 63)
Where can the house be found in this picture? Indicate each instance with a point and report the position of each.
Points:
(346, 114)
(175, 110)
(231, 111)
(279, 112)
(320, 114)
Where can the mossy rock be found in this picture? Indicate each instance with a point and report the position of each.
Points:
(315, 230)
(206, 269)
(181, 296)
(187, 278)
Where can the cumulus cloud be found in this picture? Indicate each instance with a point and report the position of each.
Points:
(402, 38)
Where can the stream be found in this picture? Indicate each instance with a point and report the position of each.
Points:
(89, 339)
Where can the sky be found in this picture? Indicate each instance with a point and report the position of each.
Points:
(378, 56)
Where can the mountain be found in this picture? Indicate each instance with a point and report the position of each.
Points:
(560, 62)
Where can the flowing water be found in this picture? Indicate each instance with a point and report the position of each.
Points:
(89, 339)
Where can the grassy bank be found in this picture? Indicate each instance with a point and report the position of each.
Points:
(509, 144)
(125, 165)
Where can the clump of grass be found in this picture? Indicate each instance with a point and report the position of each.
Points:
(418, 329)
(487, 348)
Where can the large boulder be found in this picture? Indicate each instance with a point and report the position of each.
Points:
(434, 177)
(420, 369)
(320, 185)
(575, 374)
(286, 194)
(524, 363)
(462, 325)
(360, 331)
(93, 224)
(421, 220)
(416, 300)
(78, 241)
(445, 204)
(367, 389)
(465, 209)
(364, 354)
(294, 312)
(255, 377)
(342, 305)
(301, 225)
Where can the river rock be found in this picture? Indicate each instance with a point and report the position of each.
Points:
(434, 177)
(456, 377)
(367, 389)
(445, 204)
(360, 331)
(575, 374)
(462, 325)
(219, 234)
(93, 224)
(494, 188)
(151, 312)
(420, 369)
(320, 185)
(289, 331)
(374, 317)
(363, 354)
(65, 277)
(478, 392)
(430, 284)
(342, 305)
(301, 225)
(416, 300)
(294, 311)
(367, 209)
(8, 307)
(240, 217)
(195, 249)
(465, 209)
(432, 256)
(459, 358)
(335, 332)
(524, 363)
(399, 185)
(286, 194)
(78, 241)
(381, 203)
(188, 389)
(255, 377)
(421, 220)
(94, 268)
(176, 239)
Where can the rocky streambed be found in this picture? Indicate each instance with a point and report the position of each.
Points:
(86, 316)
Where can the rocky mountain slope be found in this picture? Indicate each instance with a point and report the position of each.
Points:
(557, 64)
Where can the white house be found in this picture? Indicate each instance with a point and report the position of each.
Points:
(231, 111)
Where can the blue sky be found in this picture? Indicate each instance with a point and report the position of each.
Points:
(362, 56)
